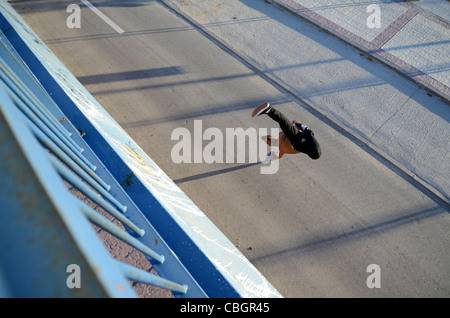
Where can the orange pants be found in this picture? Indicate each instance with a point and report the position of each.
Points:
(284, 145)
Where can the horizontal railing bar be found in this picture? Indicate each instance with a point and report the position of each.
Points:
(142, 276)
(65, 155)
(51, 134)
(108, 226)
(32, 96)
(69, 176)
(55, 138)
(80, 159)
(89, 176)
(93, 183)
(41, 112)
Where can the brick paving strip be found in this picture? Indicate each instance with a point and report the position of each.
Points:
(382, 48)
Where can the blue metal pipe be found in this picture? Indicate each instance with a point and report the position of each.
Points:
(64, 154)
(69, 176)
(139, 275)
(55, 138)
(25, 101)
(105, 224)
(88, 178)
(18, 83)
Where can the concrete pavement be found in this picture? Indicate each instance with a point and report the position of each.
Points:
(409, 38)
(406, 124)
(412, 39)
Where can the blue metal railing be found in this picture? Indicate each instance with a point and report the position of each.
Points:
(28, 120)
(37, 236)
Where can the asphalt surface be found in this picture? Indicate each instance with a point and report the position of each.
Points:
(313, 227)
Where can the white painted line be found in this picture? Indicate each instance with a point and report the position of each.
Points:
(104, 17)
